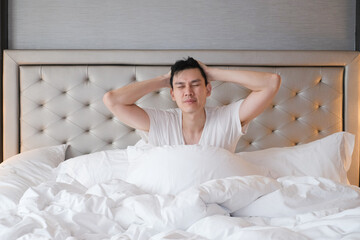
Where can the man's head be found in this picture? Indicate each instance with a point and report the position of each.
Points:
(189, 85)
(182, 65)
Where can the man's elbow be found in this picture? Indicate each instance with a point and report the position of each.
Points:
(109, 99)
(275, 82)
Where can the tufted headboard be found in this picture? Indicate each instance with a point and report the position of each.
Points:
(55, 96)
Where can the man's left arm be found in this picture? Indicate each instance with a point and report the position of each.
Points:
(263, 86)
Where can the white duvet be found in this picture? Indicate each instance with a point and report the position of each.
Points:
(249, 207)
(181, 192)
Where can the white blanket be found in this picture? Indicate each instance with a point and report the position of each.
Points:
(251, 207)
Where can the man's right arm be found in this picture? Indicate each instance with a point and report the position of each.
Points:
(121, 102)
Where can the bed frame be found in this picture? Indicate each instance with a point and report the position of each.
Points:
(55, 96)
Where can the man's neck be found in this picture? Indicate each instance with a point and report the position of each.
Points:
(192, 126)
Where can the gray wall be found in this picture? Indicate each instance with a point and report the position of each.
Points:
(186, 24)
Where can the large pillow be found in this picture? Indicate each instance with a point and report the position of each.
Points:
(329, 157)
(27, 169)
(94, 168)
(171, 169)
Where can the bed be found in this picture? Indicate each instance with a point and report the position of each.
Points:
(73, 171)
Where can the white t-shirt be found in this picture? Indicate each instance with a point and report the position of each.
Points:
(222, 127)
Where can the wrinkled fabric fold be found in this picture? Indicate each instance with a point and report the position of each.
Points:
(229, 208)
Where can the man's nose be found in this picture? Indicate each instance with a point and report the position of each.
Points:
(189, 91)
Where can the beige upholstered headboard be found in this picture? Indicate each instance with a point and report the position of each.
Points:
(55, 96)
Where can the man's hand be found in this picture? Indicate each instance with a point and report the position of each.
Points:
(208, 71)
(263, 86)
(166, 78)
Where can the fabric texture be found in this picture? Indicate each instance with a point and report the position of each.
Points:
(171, 169)
(291, 200)
(268, 209)
(222, 127)
(25, 170)
(94, 168)
(329, 157)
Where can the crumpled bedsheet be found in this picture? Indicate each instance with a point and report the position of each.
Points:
(251, 207)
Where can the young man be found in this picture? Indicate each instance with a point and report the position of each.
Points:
(192, 122)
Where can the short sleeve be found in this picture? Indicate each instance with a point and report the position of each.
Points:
(246, 126)
(223, 126)
(153, 116)
(164, 127)
(234, 109)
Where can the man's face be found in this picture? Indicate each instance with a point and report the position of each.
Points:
(190, 91)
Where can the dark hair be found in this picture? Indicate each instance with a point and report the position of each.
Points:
(181, 65)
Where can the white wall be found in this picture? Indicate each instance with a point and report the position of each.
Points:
(184, 24)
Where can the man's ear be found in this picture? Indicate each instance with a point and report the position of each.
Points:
(208, 88)
(172, 94)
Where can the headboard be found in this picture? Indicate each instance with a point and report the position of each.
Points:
(55, 96)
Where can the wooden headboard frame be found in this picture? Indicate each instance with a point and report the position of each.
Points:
(17, 60)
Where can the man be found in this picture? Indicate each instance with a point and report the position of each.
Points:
(192, 122)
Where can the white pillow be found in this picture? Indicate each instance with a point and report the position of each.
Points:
(94, 168)
(171, 169)
(27, 169)
(329, 157)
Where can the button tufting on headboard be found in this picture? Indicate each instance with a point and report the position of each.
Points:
(67, 101)
(41, 87)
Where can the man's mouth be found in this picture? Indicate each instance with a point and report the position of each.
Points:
(190, 100)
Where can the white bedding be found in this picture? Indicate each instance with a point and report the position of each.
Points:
(320, 209)
(88, 197)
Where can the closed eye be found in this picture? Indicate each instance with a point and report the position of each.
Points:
(195, 82)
